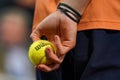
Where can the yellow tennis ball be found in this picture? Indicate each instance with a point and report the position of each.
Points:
(37, 53)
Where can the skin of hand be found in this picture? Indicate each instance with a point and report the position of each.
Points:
(61, 31)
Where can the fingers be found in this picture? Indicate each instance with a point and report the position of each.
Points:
(52, 56)
(48, 68)
(55, 58)
(62, 47)
(58, 44)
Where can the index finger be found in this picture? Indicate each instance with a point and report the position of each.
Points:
(35, 35)
(52, 56)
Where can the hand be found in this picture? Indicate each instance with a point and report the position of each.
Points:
(61, 31)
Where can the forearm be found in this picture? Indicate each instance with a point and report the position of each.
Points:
(79, 5)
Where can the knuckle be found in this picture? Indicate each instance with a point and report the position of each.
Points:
(73, 44)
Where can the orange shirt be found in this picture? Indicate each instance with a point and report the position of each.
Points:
(99, 14)
(42, 9)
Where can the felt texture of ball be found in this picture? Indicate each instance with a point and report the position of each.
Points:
(37, 53)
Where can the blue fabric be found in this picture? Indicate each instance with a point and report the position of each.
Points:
(54, 75)
(95, 57)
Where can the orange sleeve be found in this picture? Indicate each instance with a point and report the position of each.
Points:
(101, 14)
(42, 9)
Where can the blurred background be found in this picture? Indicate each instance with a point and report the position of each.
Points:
(15, 27)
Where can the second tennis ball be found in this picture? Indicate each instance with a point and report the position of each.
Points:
(37, 53)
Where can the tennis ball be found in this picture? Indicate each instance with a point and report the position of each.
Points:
(37, 53)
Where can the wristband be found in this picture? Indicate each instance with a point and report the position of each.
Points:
(69, 12)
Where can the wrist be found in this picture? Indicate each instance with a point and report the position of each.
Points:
(69, 12)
